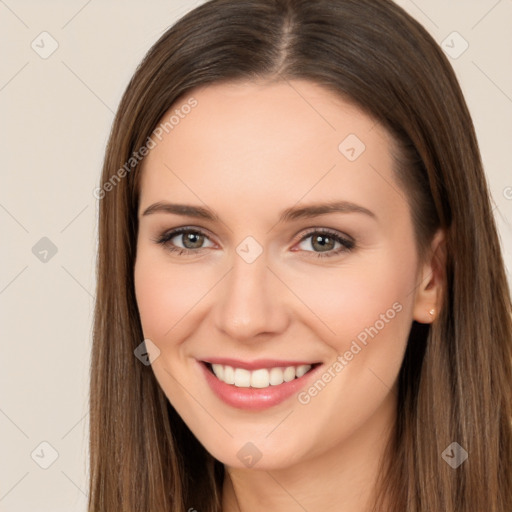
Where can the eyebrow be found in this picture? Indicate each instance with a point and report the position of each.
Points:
(293, 213)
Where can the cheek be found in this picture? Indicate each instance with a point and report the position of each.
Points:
(165, 294)
(361, 301)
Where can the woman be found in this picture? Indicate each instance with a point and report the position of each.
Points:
(301, 299)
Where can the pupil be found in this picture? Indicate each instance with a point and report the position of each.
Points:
(323, 245)
(189, 238)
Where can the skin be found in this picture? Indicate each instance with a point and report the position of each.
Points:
(248, 151)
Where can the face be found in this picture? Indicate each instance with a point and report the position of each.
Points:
(279, 296)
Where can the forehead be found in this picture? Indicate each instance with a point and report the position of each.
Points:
(297, 117)
(268, 142)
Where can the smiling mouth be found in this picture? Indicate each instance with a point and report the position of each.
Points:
(259, 378)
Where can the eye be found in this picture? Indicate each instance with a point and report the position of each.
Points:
(184, 240)
(324, 241)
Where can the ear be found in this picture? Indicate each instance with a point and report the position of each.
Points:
(431, 279)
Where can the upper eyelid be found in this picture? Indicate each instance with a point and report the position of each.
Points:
(171, 233)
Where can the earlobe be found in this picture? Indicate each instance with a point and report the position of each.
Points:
(431, 280)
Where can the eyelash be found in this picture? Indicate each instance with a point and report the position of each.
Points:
(347, 244)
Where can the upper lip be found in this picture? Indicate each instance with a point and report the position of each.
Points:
(256, 363)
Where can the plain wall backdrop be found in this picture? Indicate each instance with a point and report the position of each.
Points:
(65, 67)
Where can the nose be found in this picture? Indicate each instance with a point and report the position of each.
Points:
(252, 301)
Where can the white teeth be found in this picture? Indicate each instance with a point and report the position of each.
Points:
(229, 375)
(242, 378)
(276, 376)
(289, 374)
(218, 369)
(303, 369)
(260, 378)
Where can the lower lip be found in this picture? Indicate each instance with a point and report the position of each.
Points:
(255, 399)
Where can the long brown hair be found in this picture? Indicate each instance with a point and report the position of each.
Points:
(455, 384)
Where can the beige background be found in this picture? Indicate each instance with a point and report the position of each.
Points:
(56, 114)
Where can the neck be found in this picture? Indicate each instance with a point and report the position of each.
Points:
(341, 480)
